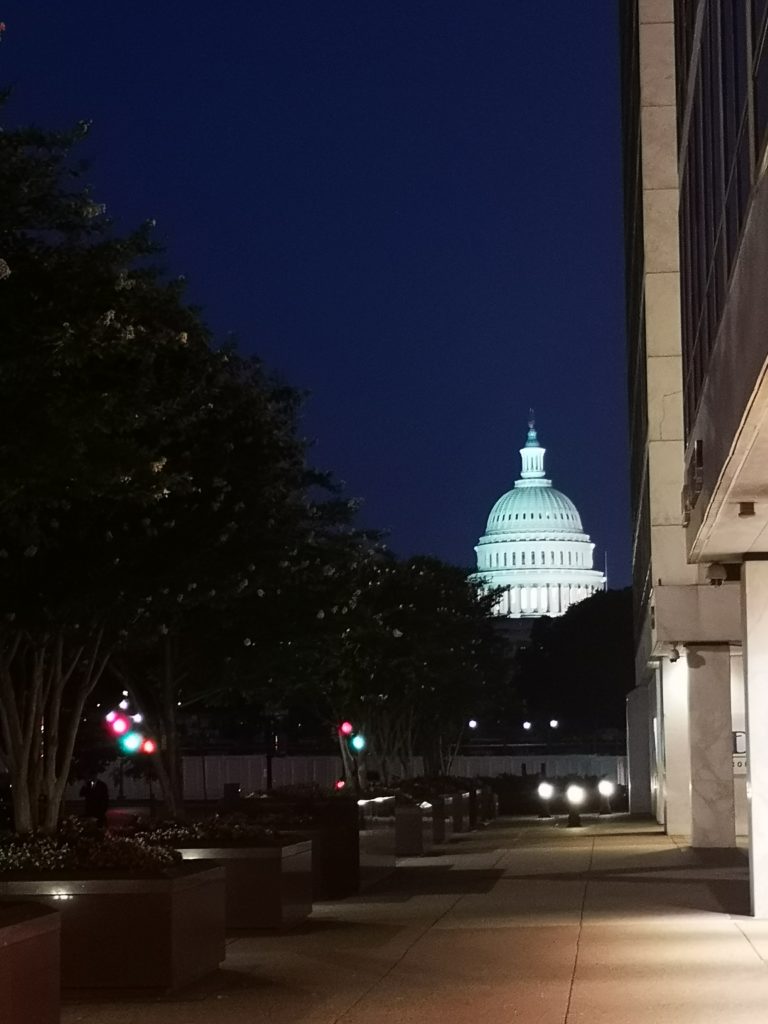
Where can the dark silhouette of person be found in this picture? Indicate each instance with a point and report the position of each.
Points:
(96, 797)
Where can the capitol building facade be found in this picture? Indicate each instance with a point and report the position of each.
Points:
(534, 547)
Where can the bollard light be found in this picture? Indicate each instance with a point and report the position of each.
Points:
(575, 796)
(546, 791)
(606, 789)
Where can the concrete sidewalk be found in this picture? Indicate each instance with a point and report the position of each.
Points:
(522, 923)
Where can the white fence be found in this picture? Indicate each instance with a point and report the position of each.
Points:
(206, 776)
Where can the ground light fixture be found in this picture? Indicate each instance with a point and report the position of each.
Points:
(546, 791)
(575, 796)
(606, 789)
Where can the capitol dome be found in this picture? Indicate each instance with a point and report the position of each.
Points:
(534, 546)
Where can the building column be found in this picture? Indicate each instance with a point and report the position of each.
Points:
(638, 751)
(713, 820)
(677, 760)
(754, 604)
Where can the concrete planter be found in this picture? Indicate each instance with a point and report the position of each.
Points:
(133, 933)
(475, 801)
(413, 830)
(29, 964)
(489, 804)
(377, 840)
(266, 886)
(442, 817)
(461, 812)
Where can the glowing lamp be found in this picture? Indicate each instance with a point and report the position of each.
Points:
(553, 723)
(527, 726)
(358, 743)
(110, 716)
(605, 787)
(346, 728)
(339, 784)
(575, 795)
(148, 747)
(131, 742)
(546, 790)
(119, 725)
(472, 723)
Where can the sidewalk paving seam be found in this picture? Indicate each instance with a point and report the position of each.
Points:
(398, 961)
(752, 946)
(579, 934)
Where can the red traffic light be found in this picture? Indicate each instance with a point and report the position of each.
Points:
(119, 725)
(346, 728)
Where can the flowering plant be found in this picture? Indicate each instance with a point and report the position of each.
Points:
(232, 830)
(75, 849)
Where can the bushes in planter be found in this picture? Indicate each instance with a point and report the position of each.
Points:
(75, 848)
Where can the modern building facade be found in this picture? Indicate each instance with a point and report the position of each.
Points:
(695, 118)
(534, 546)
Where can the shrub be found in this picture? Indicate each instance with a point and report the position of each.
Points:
(79, 850)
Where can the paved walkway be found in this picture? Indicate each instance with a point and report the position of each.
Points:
(521, 923)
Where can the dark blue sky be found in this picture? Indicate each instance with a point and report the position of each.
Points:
(410, 208)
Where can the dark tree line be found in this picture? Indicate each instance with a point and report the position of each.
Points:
(161, 526)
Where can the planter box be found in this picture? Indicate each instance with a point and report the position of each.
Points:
(461, 812)
(475, 800)
(145, 933)
(29, 964)
(413, 831)
(377, 840)
(489, 804)
(442, 818)
(266, 886)
(336, 851)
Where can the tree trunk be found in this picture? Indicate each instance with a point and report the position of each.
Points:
(44, 684)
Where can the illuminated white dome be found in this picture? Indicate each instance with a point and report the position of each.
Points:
(534, 546)
(534, 508)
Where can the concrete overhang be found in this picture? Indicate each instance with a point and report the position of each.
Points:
(727, 445)
(699, 613)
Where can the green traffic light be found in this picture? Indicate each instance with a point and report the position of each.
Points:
(131, 742)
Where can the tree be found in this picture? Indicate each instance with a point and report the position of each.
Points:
(407, 651)
(578, 668)
(146, 478)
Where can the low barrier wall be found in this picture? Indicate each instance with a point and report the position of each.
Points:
(206, 776)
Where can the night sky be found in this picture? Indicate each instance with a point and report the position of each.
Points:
(409, 208)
